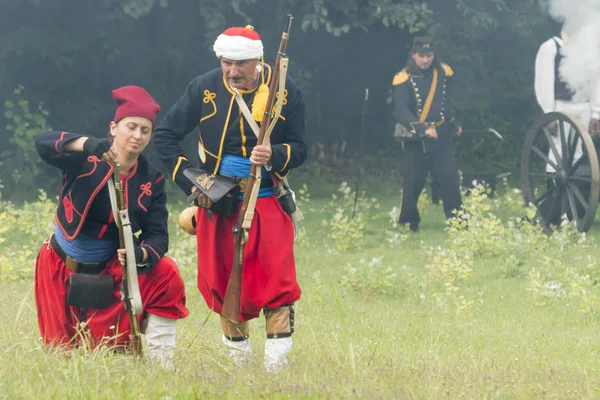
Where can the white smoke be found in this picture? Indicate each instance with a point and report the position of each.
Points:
(581, 25)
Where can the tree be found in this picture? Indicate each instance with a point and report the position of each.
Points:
(71, 53)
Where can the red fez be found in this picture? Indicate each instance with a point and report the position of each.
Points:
(133, 101)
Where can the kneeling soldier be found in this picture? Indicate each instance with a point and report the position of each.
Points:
(78, 276)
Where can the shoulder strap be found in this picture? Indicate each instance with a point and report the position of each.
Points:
(427, 107)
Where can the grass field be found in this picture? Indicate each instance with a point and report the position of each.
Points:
(496, 311)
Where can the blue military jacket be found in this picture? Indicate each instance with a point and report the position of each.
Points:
(209, 103)
(84, 202)
(423, 99)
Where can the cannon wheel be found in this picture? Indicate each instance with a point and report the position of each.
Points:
(560, 184)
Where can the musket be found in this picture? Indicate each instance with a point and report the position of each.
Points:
(231, 301)
(360, 146)
(130, 287)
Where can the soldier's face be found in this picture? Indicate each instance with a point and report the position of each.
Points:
(423, 60)
(131, 134)
(241, 74)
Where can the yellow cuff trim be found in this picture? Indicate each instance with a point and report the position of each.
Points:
(289, 155)
(179, 160)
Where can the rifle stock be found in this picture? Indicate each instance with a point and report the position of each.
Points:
(231, 301)
(124, 226)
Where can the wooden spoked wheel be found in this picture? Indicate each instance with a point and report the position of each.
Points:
(559, 171)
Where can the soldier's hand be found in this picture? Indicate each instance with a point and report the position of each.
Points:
(111, 155)
(594, 126)
(141, 255)
(458, 130)
(261, 155)
(552, 128)
(431, 132)
(101, 148)
(122, 253)
(202, 201)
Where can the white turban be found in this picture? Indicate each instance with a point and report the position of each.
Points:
(239, 44)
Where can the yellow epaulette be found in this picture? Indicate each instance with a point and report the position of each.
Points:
(447, 69)
(400, 78)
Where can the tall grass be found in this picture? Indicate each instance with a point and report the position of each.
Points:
(384, 314)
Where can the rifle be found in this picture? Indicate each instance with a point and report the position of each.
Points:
(231, 301)
(130, 287)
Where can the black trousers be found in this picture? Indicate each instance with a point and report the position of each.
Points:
(416, 164)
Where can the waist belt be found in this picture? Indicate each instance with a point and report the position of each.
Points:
(76, 266)
(435, 123)
(241, 182)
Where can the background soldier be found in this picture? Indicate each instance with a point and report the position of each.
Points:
(227, 147)
(422, 94)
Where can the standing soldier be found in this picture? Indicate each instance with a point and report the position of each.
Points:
(227, 148)
(78, 275)
(422, 94)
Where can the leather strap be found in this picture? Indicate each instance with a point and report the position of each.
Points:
(430, 96)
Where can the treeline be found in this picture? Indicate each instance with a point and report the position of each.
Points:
(60, 59)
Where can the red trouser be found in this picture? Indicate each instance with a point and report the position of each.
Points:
(269, 271)
(162, 290)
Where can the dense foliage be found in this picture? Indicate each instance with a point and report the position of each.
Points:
(69, 54)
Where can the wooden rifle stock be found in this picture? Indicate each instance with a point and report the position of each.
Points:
(136, 338)
(231, 302)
